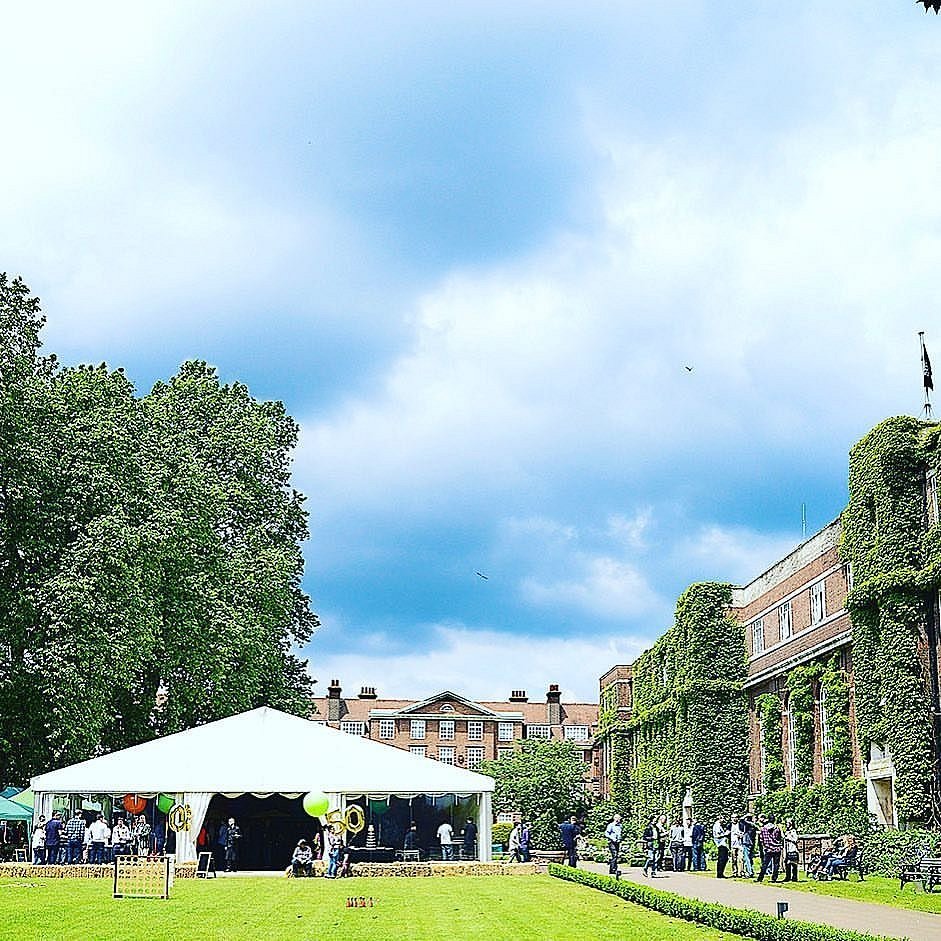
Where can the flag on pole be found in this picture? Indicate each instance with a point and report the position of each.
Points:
(926, 366)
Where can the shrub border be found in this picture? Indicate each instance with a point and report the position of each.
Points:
(739, 921)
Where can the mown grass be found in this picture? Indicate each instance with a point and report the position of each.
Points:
(525, 908)
(876, 889)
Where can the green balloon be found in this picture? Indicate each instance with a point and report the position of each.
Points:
(316, 804)
(165, 803)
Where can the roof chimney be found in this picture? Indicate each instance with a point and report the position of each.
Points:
(333, 701)
(553, 705)
(367, 692)
(519, 695)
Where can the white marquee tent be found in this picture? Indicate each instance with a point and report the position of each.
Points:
(264, 752)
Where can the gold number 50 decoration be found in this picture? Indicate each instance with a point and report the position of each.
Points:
(353, 820)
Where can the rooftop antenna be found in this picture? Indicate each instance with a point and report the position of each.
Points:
(804, 521)
(926, 374)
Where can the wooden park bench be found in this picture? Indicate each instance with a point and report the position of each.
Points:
(927, 871)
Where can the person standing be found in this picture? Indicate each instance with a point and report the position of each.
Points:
(720, 834)
(513, 844)
(749, 832)
(613, 835)
(446, 839)
(771, 841)
(569, 833)
(75, 838)
(469, 843)
(524, 840)
(38, 842)
(121, 837)
(100, 834)
(142, 836)
(699, 839)
(735, 847)
(54, 836)
(791, 851)
(676, 846)
(233, 837)
(688, 844)
(650, 838)
(664, 831)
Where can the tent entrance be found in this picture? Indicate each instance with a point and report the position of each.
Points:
(271, 827)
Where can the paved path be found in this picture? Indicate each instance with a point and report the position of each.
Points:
(802, 906)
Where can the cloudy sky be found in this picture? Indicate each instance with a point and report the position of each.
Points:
(474, 248)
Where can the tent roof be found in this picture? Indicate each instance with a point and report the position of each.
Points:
(11, 811)
(263, 751)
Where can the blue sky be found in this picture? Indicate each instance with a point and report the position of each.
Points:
(473, 250)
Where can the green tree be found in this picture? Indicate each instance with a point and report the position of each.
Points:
(540, 778)
(147, 545)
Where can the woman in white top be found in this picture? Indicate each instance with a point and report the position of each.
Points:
(39, 842)
(735, 847)
(791, 851)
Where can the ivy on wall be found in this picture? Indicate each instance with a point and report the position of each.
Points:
(769, 715)
(689, 726)
(896, 562)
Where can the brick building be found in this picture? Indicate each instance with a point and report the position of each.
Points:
(458, 731)
(842, 644)
(794, 614)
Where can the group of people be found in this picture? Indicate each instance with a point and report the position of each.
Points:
(80, 840)
(835, 856)
(738, 840)
(337, 856)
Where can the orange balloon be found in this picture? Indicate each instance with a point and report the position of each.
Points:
(134, 804)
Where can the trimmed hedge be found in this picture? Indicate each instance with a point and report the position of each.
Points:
(739, 921)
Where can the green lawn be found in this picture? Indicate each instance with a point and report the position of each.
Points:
(876, 889)
(530, 908)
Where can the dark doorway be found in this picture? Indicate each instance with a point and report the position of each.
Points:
(271, 827)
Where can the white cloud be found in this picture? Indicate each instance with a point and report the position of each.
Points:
(480, 664)
(732, 554)
(605, 587)
(787, 288)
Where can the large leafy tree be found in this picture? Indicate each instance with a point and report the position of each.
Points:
(539, 777)
(150, 560)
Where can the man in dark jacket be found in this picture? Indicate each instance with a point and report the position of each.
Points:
(699, 839)
(469, 843)
(54, 828)
(569, 832)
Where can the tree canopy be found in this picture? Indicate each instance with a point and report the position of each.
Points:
(539, 777)
(150, 553)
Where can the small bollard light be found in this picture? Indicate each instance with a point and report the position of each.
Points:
(782, 908)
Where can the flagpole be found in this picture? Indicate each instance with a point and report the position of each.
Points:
(926, 374)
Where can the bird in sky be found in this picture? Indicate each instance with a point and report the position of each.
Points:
(688, 368)
(484, 577)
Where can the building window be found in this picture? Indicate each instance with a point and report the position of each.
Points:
(538, 731)
(446, 755)
(475, 731)
(418, 750)
(504, 752)
(848, 576)
(447, 707)
(353, 728)
(826, 740)
(387, 728)
(446, 730)
(757, 636)
(506, 817)
(417, 729)
(475, 755)
(576, 733)
(791, 748)
(784, 620)
(818, 602)
(931, 497)
(505, 732)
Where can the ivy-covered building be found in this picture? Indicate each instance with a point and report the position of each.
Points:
(672, 729)
(812, 690)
